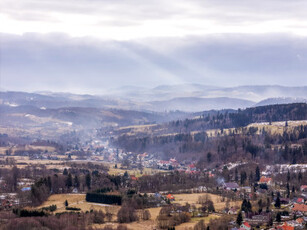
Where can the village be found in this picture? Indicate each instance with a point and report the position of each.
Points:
(272, 202)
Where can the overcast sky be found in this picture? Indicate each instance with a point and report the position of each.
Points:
(87, 46)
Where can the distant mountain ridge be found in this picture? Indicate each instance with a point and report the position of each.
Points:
(253, 93)
(281, 100)
(184, 97)
(195, 104)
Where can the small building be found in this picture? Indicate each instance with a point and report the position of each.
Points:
(285, 226)
(24, 189)
(300, 208)
(300, 220)
(170, 197)
(300, 200)
(304, 188)
(133, 177)
(157, 195)
(247, 189)
(245, 226)
(231, 186)
(265, 180)
(233, 211)
(284, 201)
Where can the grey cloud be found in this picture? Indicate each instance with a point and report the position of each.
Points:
(132, 9)
(274, 53)
(61, 63)
(223, 11)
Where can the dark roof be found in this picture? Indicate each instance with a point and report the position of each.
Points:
(231, 185)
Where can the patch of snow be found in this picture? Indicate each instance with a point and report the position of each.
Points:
(283, 168)
(278, 123)
(234, 165)
(100, 204)
(11, 104)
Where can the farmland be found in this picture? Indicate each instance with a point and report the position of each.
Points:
(78, 201)
(193, 199)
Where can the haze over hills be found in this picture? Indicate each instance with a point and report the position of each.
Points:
(252, 93)
(183, 97)
(65, 112)
(280, 100)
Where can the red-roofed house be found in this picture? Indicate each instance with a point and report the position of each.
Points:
(300, 220)
(163, 163)
(210, 174)
(245, 226)
(304, 188)
(142, 156)
(285, 226)
(192, 167)
(265, 180)
(170, 197)
(300, 208)
(132, 177)
(172, 160)
(300, 200)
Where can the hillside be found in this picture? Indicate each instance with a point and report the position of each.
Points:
(34, 122)
(184, 97)
(226, 136)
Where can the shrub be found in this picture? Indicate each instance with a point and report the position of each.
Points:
(50, 208)
(126, 214)
(28, 213)
(73, 209)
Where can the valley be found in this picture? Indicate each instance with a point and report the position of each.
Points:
(126, 169)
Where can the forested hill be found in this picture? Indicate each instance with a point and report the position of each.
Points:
(239, 118)
(226, 135)
(270, 113)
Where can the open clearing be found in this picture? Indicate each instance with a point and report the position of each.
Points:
(78, 201)
(194, 221)
(27, 148)
(193, 199)
(135, 172)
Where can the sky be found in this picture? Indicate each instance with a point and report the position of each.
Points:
(89, 46)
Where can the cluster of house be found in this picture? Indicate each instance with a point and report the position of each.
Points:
(115, 155)
(297, 207)
(8, 200)
(298, 224)
(172, 163)
(244, 226)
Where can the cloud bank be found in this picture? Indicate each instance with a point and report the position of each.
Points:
(89, 46)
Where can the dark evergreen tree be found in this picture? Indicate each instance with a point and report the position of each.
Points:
(257, 173)
(300, 176)
(76, 181)
(277, 202)
(65, 172)
(278, 217)
(288, 190)
(209, 157)
(239, 218)
(88, 180)
(69, 181)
